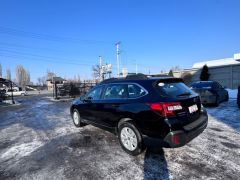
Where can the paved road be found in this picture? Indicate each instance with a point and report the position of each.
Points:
(38, 141)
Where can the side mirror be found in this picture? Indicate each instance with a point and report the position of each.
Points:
(87, 99)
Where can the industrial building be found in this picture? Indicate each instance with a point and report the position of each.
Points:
(226, 71)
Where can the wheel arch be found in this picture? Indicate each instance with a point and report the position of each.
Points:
(126, 119)
(72, 108)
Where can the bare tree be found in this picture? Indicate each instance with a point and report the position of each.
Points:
(176, 68)
(187, 77)
(8, 74)
(28, 78)
(43, 80)
(22, 76)
(50, 74)
(78, 78)
(39, 81)
(0, 71)
(96, 71)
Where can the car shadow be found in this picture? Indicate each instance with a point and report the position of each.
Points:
(155, 164)
(81, 156)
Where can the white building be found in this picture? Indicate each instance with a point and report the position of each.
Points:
(225, 71)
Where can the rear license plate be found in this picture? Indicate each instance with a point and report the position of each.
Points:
(193, 108)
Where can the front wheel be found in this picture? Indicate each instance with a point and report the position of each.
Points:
(77, 118)
(130, 139)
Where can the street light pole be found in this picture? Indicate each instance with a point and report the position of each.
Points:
(136, 67)
(100, 68)
(118, 61)
(12, 94)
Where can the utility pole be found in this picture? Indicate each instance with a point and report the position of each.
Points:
(118, 60)
(136, 68)
(12, 92)
(100, 67)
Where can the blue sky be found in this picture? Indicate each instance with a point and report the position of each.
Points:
(68, 36)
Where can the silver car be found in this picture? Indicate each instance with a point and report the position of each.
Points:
(211, 92)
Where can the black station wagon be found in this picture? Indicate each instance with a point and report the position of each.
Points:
(141, 110)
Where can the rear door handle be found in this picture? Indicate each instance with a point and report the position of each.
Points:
(115, 105)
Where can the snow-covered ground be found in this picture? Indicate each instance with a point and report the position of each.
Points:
(232, 93)
(39, 141)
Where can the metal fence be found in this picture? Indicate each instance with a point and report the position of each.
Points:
(71, 89)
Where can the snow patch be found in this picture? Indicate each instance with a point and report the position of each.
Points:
(10, 102)
(232, 93)
(21, 150)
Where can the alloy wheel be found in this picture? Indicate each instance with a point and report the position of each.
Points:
(128, 138)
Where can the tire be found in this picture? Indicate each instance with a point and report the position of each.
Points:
(227, 98)
(217, 102)
(77, 118)
(130, 138)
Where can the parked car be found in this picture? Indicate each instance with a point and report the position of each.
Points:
(238, 97)
(3, 95)
(143, 110)
(211, 92)
(16, 92)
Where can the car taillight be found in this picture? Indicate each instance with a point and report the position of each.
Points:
(166, 109)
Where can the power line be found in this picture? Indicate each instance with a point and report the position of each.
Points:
(36, 55)
(26, 34)
(28, 47)
(44, 60)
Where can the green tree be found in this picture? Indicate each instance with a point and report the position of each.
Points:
(170, 73)
(204, 76)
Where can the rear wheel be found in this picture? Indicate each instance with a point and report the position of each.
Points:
(130, 138)
(77, 118)
(227, 98)
(217, 102)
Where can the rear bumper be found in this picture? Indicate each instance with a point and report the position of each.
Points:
(179, 138)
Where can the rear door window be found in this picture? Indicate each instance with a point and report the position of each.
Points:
(135, 91)
(116, 91)
(173, 89)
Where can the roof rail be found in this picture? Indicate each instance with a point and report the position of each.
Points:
(108, 80)
(137, 76)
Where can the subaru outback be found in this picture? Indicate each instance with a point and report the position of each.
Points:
(141, 110)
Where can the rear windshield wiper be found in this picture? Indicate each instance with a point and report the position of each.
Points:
(184, 94)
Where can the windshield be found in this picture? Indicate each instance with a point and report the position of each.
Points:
(174, 89)
(205, 85)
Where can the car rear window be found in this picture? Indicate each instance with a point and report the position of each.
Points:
(205, 85)
(173, 89)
